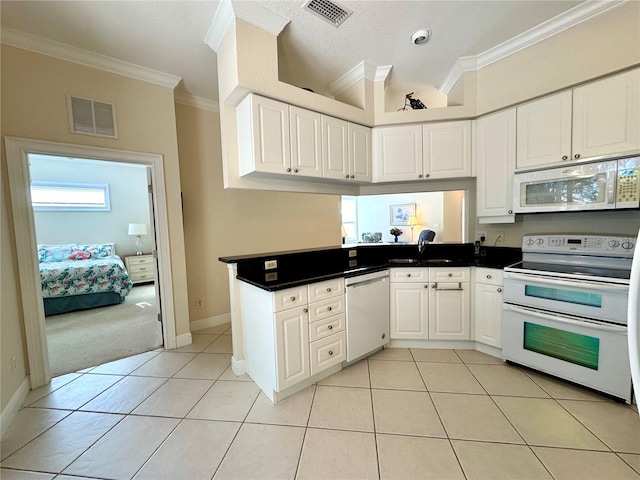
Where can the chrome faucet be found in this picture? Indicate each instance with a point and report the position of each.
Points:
(424, 238)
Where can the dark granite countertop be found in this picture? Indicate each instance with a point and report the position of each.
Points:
(300, 267)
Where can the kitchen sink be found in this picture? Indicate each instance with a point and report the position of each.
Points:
(405, 261)
(436, 260)
(419, 261)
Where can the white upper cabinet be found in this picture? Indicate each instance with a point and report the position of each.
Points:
(606, 116)
(544, 131)
(599, 119)
(359, 153)
(335, 151)
(306, 142)
(422, 152)
(263, 135)
(495, 163)
(397, 153)
(446, 149)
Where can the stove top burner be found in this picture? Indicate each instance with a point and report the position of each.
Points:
(574, 271)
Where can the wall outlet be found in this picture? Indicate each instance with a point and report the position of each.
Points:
(270, 264)
(480, 235)
(14, 364)
(199, 302)
(500, 236)
(353, 253)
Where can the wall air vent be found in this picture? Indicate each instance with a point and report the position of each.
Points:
(92, 117)
(329, 11)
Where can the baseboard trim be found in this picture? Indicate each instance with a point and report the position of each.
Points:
(210, 322)
(183, 340)
(239, 367)
(11, 409)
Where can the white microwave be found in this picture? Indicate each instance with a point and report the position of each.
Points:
(588, 186)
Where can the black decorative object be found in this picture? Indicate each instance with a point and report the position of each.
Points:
(414, 103)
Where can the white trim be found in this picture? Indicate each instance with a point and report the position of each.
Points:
(364, 70)
(196, 102)
(239, 367)
(209, 322)
(219, 25)
(51, 48)
(19, 180)
(183, 340)
(382, 73)
(557, 24)
(14, 405)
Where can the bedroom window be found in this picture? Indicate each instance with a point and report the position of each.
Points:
(66, 196)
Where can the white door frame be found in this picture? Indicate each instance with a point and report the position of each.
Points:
(17, 150)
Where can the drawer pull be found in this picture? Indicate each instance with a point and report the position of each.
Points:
(330, 352)
(306, 310)
(488, 276)
(293, 299)
(449, 274)
(435, 285)
(499, 290)
(426, 286)
(329, 290)
(143, 268)
(408, 274)
(329, 309)
(330, 327)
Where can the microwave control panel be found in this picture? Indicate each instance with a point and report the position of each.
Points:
(628, 183)
(598, 245)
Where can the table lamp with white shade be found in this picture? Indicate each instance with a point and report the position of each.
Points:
(138, 229)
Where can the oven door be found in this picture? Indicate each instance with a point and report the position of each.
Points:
(597, 300)
(575, 187)
(588, 353)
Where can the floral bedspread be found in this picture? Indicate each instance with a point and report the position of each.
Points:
(79, 277)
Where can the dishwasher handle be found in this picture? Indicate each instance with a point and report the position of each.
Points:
(371, 281)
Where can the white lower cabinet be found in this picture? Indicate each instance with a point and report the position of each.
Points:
(293, 334)
(430, 303)
(488, 307)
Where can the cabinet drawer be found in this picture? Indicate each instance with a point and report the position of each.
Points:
(140, 268)
(141, 276)
(491, 276)
(327, 352)
(140, 260)
(327, 289)
(326, 308)
(326, 327)
(409, 275)
(289, 298)
(455, 274)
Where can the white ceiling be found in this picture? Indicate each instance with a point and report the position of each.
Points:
(168, 36)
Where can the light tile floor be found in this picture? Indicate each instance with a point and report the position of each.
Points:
(399, 414)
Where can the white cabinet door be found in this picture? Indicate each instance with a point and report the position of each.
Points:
(606, 116)
(397, 153)
(359, 153)
(409, 310)
(447, 149)
(335, 151)
(488, 314)
(292, 347)
(306, 142)
(495, 163)
(449, 313)
(544, 131)
(263, 135)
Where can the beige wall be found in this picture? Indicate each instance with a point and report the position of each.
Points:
(219, 222)
(34, 89)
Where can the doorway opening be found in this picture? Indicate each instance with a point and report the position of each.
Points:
(97, 274)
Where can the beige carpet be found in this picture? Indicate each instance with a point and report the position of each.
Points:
(87, 338)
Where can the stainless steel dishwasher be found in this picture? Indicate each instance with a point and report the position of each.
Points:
(367, 313)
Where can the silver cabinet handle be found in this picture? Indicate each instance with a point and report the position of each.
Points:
(330, 352)
(306, 310)
(420, 176)
(577, 155)
(449, 274)
(510, 212)
(329, 289)
(564, 157)
(488, 276)
(499, 290)
(330, 327)
(329, 308)
(353, 176)
(295, 170)
(426, 286)
(408, 274)
(293, 299)
(427, 175)
(346, 176)
(434, 285)
(288, 169)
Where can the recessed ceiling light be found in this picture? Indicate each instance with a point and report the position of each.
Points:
(421, 37)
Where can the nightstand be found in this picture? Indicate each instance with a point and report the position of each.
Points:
(141, 268)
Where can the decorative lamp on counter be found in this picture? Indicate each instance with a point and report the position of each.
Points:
(344, 234)
(413, 221)
(138, 229)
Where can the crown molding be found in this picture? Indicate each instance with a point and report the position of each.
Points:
(247, 10)
(196, 102)
(33, 43)
(364, 70)
(545, 30)
(382, 73)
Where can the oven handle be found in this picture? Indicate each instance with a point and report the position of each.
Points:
(564, 319)
(566, 282)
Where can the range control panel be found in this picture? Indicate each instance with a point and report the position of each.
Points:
(599, 245)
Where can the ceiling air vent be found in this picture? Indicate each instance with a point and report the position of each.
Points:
(92, 117)
(328, 11)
